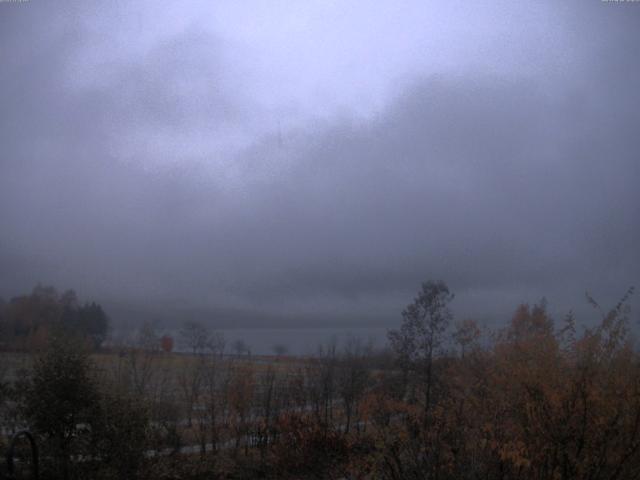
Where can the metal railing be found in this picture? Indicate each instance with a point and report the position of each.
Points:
(11, 455)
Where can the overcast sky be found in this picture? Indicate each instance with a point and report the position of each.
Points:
(313, 162)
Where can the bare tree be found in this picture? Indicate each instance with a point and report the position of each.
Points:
(241, 400)
(420, 336)
(190, 379)
(214, 389)
(198, 379)
(353, 377)
(321, 382)
(138, 369)
(194, 336)
(268, 407)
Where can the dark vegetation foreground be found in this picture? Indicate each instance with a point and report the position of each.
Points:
(534, 400)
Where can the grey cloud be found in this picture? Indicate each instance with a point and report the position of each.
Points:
(508, 186)
(485, 182)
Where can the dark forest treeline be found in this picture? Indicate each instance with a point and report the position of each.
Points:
(28, 321)
(537, 399)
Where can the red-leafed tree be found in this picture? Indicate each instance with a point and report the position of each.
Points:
(166, 343)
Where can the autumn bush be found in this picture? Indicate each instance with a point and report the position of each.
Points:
(306, 447)
(539, 403)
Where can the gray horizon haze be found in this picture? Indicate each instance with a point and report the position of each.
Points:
(307, 164)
